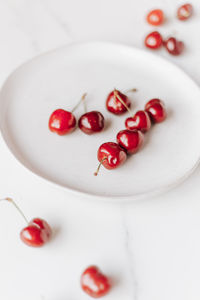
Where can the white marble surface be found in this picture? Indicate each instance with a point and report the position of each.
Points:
(151, 248)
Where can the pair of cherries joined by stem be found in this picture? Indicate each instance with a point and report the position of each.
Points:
(36, 233)
(63, 122)
(129, 141)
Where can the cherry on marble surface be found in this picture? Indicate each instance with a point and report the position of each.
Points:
(184, 12)
(153, 40)
(155, 17)
(36, 233)
(174, 46)
(94, 283)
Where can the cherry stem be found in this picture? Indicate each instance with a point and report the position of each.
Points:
(98, 168)
(16, 206)
(116, 94)
(131, 90)
(81, 101)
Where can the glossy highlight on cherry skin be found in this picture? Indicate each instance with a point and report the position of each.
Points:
(111, 156)
(155, 17)
(62, 122)
(130, 140)
(156, 110)
(114, 105)
(94, 283)
(91, 122)
(140, 121)
(153, 40)
(184, 12)
(37, 233)
(173, 46)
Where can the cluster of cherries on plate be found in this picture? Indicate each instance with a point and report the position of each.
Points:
(38, 232)
(129, 141)
(111, 155)
(154, 39)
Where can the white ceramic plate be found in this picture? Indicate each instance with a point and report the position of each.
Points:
(59, 78)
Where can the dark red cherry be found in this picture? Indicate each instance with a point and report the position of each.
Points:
(140, 121)
(156, 110)
(37, 233)
(155, 17)
(62, 122)
(153, 40)
(91, 122)
(115, 105)
(173, 46)
(111, 156)
(184, 12)
(94, 283)
(130, 140)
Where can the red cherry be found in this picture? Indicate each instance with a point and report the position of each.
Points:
(117, 103)
(94, 283)
(62, 122)
(91, 122)
(140, 121)
(111, 156)
(184, 12)
(156, 110)
(173, 46)
(153, 40)
(37, 233)
(155, 17)
(130, 140)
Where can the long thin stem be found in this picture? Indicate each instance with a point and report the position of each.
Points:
(80, 101)
(98, 168)
(116, 94)
(16, 206)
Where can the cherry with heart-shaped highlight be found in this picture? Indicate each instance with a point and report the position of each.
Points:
(140, 121)
(111, 156)
(94, 283)
(37, 232)
(62, 121)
